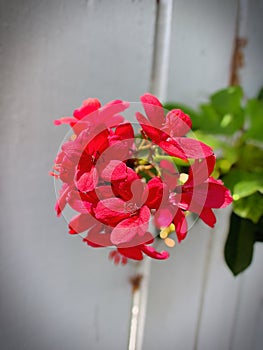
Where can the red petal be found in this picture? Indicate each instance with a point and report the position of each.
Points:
(158, 193)
(194, 148)
(164, 216)
(109, 110)
(88, 106)
(207, 194)
(62, 200)
(139, 192)
(115, 170)
(81, 125)
(65, 120)
(153, 109)
(185, 148)
(117, 150)
(125, 131)
(99, 143)
(81, 223)
(208, 217)
(104, 192)
(217, 196)
(99, 193)
(154, 134)
(181, 226)
(73, 150)
(77, 202)
(113, 121)
(97, 239)
(177, 123)
(123, 188)
(111, 211)
(228, 198)
(127, 229)
(200, 170)
(151, 252)
(144, 215)
(137, 240)
(131, 253)
(170, 174)
(59, 157)
(173, 149)
(87, 181)
(227, 194)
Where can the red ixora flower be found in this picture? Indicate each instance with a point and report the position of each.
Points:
(199, 194)
(91, 116)
(118, 214)
(167, 131)
(116, 188)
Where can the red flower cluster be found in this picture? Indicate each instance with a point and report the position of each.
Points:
(118, 183)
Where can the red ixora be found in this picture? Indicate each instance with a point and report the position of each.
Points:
(116, 193)
(199, 194)
(118, 214)
(167, 131)
(98, 185)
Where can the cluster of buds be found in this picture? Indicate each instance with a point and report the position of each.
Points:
(124, 181)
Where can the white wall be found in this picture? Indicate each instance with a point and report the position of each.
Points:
(55, 292)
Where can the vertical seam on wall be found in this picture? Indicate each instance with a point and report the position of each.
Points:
(154, 46)
(161, 51)
(158, 86)
(236, 314)
(240, 41)
(203, 289)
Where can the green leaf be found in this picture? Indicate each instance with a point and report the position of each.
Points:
(240, 243)
(209, 119)
(214, 123)
(260, 94)
(223, 166)
(254, 112)
(233, 177)
(259, 230)
(250, 158)
(228, 100)
(228, 105)
(247, 187)
(243, 183)
(223, 115)
(250, 207)
(229, 152)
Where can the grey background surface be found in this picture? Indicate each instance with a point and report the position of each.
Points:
(55, 292)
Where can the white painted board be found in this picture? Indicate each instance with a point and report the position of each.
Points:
(55, 292)
(252, 73)
(201, 47)
(179, 303)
